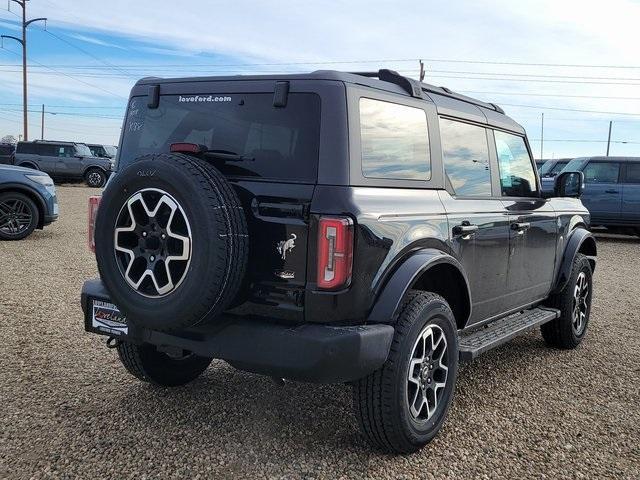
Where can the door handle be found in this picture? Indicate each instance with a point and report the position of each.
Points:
(611, 191)
(520, 227)
(465, 230)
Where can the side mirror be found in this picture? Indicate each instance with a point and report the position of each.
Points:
(569, 184)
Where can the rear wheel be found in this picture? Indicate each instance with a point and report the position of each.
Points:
(403, 405)
(146, 363)
(94, 177)
(19, 216)
(574, 303)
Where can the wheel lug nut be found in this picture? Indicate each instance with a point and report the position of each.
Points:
(163, 236)
(152, 258)
(428, 380)
(144, 234)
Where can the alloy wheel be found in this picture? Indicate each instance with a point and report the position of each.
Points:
(580, 304)
(15, 217)
(153, 243)
(428, 372)
(94, 179)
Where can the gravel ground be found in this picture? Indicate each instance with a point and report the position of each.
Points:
(69, 410)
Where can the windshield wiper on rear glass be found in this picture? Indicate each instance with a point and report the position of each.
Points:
(227, 156)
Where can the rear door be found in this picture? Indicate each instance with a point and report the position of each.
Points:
(603, 192)
(478, 220)
(532, 223)
(68, 163)
(47, 157)
(630, 211)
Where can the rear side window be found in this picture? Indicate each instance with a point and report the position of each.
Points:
(283, 142)
(466, 158)
(394, 141)
(633, 173)
(517, 177)
(5, 150)
(28, 148)
(602, 172)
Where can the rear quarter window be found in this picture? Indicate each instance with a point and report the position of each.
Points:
(394, 141)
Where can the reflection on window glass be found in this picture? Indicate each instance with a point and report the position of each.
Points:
(601, 172)
(517, 178)
(395, 141)
(466, 158)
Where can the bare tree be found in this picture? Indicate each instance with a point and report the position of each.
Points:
(9, 139)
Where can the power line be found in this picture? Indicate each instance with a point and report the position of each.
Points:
(571, 140)
(570, 109)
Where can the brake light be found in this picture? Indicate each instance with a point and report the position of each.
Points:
(186, 148)
(335, 252)
(94, 201)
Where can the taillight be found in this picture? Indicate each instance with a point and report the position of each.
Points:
(335, 252)
(94, 201)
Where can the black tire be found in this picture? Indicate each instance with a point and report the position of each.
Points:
(381, 400)
(146, 363)
(95, 178)
(563, 332)
(218, 248)
(19, 216)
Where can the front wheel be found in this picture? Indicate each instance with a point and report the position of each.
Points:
(402, 406)
(95, 178)
(574, 303)
(148, 364)
(19, 216)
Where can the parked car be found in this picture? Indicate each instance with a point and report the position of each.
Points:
(7, 152)
(611, 191)
(332, 227)
(64, 161)
(103, 151)
(549, 170)
(27, 201)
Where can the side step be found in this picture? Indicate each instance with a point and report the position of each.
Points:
(501, 331)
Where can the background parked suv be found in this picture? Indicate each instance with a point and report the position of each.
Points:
(64, 161)
(612, 191)
(7, 151)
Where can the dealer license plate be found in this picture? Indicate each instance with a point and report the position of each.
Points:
(105, 317)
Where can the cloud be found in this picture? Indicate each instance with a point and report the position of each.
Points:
(95, 41)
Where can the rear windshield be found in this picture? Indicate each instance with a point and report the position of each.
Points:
(282, 141)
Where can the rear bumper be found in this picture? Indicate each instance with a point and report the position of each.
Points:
(305, 352)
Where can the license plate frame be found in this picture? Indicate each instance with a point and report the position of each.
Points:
(105, 318)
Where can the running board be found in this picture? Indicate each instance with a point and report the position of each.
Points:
(501, 331)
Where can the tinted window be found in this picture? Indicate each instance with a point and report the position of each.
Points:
(517, 177)
(395, 141)
(282, 141)
(97, 151)
(6, 150)
(601, 172)
(29, 148)
(466, 158)
(633, 173)
(62, 151)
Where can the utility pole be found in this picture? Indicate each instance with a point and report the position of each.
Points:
(421, 70)
(542, 138)
(23, 42)
(42, 124)
(609, 139)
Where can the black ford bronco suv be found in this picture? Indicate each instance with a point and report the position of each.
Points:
(332, 227)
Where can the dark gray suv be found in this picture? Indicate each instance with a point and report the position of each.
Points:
(64, 161)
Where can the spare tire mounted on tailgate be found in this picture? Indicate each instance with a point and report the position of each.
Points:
(171, 241)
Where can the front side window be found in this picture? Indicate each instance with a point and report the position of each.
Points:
(466, 158)
(517, 177)
(601, 172)
(395, 141)
(64, 151)
(633, 173)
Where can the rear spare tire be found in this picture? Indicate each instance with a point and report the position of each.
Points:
(171, 241)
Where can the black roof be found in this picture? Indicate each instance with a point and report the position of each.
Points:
(383, 79)
(610, 159)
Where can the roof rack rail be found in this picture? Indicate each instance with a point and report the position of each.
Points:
(409, 85)
(415, 88)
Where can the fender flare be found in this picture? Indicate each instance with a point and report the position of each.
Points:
(578, 237)
(404, 277)
(84, 172)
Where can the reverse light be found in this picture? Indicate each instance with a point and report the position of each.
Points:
(335, 252)
(94, 202)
